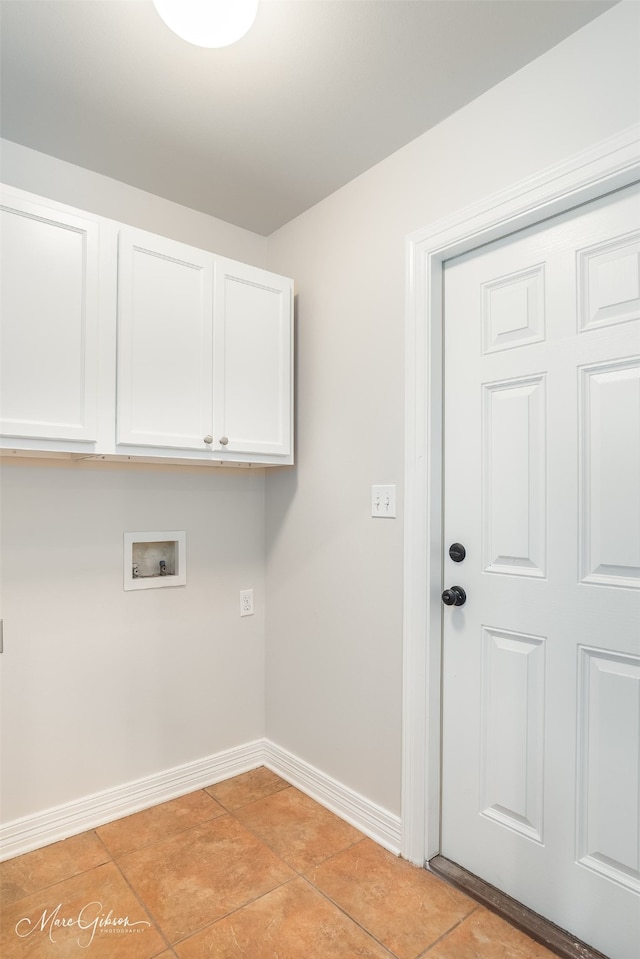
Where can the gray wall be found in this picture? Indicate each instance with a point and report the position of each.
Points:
(102, 686)
(334, 575)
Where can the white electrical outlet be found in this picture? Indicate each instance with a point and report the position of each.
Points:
(383, 501)
(246, 602)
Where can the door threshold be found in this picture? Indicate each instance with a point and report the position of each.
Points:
(546, 933)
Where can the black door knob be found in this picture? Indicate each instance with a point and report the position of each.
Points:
(455, 596)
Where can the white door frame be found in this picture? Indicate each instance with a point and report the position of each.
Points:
(610, 165)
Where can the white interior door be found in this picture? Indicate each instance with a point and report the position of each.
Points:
(541, 684)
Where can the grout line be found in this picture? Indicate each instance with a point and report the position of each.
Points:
(252, 802)
(226, 813)
(278, 789)
(165, 952)
(299, 872)
(146, 908)
(448, 932)
(231, 912)
(305, 877)
(341, 909)
(155, 842)
(58, 882)
(261, 839)
(85, 872)
(102, 843)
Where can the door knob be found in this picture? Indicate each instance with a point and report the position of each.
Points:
(454, 596)
(224, 440)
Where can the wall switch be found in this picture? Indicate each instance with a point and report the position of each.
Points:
(383, 501)
(246, 602)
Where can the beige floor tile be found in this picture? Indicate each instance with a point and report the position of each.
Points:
(404, 907)
(33, 927)
(160, 822)
(221, 885)
(483, 935)
(292, 922)
(36, 870)
(247, 788)
(194, 878)
(299, 830)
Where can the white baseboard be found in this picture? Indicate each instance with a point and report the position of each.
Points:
(60, 822)
(374, 821)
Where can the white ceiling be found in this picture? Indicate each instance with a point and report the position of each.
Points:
(316, 93)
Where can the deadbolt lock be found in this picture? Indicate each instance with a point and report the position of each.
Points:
(457, 552)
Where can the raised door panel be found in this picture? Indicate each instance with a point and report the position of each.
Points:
(608, 793)
(253, 356)
(514, 477)
(512, 731)
(610, 474)
(165, 360)
(609, 282)
(49, 308)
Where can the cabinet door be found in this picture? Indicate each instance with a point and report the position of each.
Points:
(165, 292)
(49, 333)
(253, 361)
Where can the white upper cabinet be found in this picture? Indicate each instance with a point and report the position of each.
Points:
(252, 360)
(165, 353)
(121, 344)
(49, 333)
(204, 354)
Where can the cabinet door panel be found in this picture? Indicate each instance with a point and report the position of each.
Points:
(165, 294)
(49, 310)
(253, 350)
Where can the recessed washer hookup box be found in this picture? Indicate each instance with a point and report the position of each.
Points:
(155, 559)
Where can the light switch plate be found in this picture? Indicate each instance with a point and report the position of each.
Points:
(383, 502)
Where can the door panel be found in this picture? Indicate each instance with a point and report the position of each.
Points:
(513, 310)
(541, 666)
(49, 336)
(165, 351)
(609, 778)
(609, 282)
(610, 551)
(253, 345)
(513, 470)
(512, 730)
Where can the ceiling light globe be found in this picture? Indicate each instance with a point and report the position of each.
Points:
(208, 23)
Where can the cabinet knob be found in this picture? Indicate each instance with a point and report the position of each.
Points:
(224, 440)
(208, 439)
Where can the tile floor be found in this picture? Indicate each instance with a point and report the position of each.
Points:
(247, 869)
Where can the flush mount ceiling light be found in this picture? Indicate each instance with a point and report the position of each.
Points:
(208, 23)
